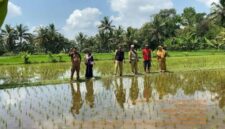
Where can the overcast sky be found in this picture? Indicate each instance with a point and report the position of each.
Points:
(73, 16)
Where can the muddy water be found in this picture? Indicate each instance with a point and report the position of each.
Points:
(192, 100)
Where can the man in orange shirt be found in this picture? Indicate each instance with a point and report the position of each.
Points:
(146, 52)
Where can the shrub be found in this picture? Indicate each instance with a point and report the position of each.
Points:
(26, 57)
(52, 58)
(60, 57)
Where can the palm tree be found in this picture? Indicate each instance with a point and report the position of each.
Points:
(118, 36)
(52, 32)
(157, 31)
(80, 39)
(22, 34)
(9, 37)
(106, 25)
(106, 30)
(219, 12)
(130, 37)
(2, 46)
(42, 38)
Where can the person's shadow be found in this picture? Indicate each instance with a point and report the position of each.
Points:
(77, 101)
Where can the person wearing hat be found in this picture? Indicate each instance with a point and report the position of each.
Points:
(133, 58)
(119, 59)
(161, 57)
(146, 52)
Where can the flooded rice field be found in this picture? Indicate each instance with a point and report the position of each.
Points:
(188, 100)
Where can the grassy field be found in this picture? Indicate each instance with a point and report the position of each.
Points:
(34, 59)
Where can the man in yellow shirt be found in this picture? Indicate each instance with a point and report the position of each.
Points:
(161, 57)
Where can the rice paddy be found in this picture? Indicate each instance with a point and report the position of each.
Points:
(190, 96)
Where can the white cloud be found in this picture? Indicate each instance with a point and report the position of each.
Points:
(85, 20)
(14, 10)
(136, 12)
(208, 2)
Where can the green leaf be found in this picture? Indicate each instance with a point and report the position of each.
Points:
(3, 10)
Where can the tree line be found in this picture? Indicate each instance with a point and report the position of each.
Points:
(186, 31)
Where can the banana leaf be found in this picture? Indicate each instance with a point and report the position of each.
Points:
(3, 10)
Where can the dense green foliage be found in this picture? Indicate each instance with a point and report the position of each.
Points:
(186, 31)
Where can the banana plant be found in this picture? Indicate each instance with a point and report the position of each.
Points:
(3, 10)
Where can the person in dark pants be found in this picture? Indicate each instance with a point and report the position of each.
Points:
(89, 62)
(119, 60)
(146, 52)
(75, 59)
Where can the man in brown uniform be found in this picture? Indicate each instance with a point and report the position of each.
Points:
(75, 59)
(161, 57)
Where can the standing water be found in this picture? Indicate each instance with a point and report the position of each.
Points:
(191, 100)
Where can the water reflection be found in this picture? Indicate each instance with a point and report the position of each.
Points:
(147, 92)
(77, 101)
(120, 92)
(89, 95)
(221, 95)
(124, 102)
(134, 90)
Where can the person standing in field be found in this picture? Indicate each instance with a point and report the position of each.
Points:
(89, 62)
(161, 57)
(133, 58)
(75, 60)
(146, 52)
(119, 60)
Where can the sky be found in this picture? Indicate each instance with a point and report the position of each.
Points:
(74, 16)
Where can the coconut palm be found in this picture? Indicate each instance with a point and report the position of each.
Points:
(157, 31)
(22, 34)
(42, 38)
(52, 32)
(2, 47)
(218, 12)
(106, 31)
(131, 37)
(106, 25)
(9, 37)
(118, 36)
(80, 39)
